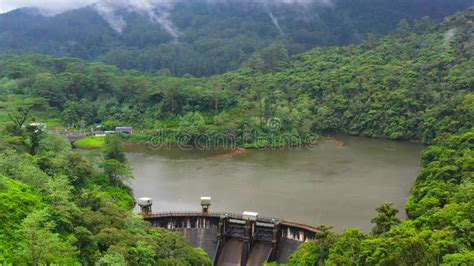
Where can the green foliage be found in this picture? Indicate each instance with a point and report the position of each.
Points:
(20, 166)
(121, 197)
(274, 57)
(116, 171)
(112, 259)
(113, 148)
(464, 258)
(34, 136)
(385, 219)
(191, 126)
(115, 164)
(71, 164)
(42, 246)
(313, 252)
(53, 143)
(445, 177)
(17, 200)
(346, 250)
(61, 211)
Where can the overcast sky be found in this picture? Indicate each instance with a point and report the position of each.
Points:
(57, 6)
(53, 5)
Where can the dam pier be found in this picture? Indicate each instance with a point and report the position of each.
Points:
(234, 239)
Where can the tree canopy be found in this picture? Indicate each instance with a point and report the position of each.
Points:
(56, 208)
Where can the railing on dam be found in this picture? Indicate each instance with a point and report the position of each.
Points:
(289, 225)
(182, 214)
(207, 215)
(203, 214)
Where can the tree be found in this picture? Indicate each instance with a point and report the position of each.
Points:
(35, 134)
(61, 210)
(385, 219)
(12, 212)
(117, 171)
(121, 57)
(371, 42)
(53, 143)
(19, 166)
(21, 113)
(113, 149)
(75, 166)
(466, 257)
(313, 252)
(403, 27)
(112, 258)
(143, 253)
(423, 25)
(46, 85)
(42, 246)
(255, 62)
(115, 163)
(191, 126)
(347, 249)
(275, 56)
(71, 114)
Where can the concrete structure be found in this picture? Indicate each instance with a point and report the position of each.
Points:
(205, 204)
(125, 130)
(145, 205)
(234, 239)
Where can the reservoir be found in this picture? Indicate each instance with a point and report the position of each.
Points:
(338, 183)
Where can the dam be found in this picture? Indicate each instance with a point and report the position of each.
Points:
(234, 239)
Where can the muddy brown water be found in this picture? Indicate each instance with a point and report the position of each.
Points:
(332, 184)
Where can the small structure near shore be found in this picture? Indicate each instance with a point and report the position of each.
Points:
(125, 130)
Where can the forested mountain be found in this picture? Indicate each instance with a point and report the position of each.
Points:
(415, 84)
(204, 37)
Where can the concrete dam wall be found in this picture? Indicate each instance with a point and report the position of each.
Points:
(232, 239)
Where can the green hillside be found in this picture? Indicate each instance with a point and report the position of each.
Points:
(416, 84)
(211, 36)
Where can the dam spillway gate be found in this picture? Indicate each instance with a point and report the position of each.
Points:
(233, 239)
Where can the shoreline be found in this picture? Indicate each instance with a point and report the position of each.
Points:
(335, 140)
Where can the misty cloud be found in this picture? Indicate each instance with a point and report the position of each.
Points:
(54, 7)
(158, 11)
(275, 21)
